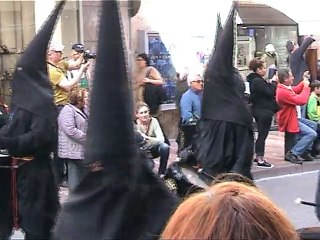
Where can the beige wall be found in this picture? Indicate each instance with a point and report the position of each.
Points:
(17, 28)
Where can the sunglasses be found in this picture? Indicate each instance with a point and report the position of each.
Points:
(144, 112)
(198, 81)
(58, 52)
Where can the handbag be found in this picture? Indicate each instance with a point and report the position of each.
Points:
(154, 95)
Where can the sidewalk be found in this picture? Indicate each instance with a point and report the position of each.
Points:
(274, 154)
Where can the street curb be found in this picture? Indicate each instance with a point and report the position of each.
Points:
(286, 168)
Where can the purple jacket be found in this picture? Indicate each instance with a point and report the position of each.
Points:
(72, 123)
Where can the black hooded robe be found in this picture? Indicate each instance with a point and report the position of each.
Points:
(223, 146)
(225, 138)
(29, 134)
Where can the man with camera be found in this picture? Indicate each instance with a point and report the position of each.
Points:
(78, 52)
(57, 69)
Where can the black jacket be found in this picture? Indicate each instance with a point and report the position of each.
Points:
(262, 95)
(29, 134)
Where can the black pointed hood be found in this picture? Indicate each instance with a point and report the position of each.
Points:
(31, 87)
(297, 61)
(110, 112)
(218, 29)
(223, 88)
(124, 200)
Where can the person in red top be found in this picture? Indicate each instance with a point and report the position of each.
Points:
(290, 98)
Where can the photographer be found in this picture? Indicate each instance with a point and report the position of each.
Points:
(78, 52)
(57, 68)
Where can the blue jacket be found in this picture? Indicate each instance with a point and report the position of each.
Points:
(190, 105)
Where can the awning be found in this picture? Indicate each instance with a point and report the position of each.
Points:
(262, 15)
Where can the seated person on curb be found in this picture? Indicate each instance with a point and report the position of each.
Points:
(290, 98)
(190, 103)
(190, 109)
(153, 136)
(313, 107)
(313, 113)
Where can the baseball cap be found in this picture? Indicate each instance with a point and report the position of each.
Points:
(78, 47)
(57, 47)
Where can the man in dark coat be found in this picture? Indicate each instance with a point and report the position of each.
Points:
(120, 198)
(225, 137)
(28, 139)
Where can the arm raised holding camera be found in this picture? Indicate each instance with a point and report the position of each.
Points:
(68, 84)
(76, 64)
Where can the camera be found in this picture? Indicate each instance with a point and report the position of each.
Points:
(87, 54)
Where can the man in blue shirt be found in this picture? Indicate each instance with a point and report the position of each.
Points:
(190, 103)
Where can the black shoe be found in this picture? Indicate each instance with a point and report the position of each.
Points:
(264, 164)
(307, 156)
(292, 158)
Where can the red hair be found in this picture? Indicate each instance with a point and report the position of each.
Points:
(229, 210)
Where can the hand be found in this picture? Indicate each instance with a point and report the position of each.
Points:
(144, 135)
(306, 82)
(85, 66)
(146, 80)
(140, 82)
(275, 78)
(306, 75)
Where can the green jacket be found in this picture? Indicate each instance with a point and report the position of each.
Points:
(313, 107)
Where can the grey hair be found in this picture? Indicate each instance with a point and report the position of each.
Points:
(192, 76)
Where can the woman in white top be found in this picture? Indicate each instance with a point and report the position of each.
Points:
(152, 133)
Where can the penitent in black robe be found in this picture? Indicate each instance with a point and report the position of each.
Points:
(225, 137)
(29, 134)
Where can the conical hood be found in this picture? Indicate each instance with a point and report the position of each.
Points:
(110, 113)
(31, 88)
(223, 88)
(124, 200)
(218, 29)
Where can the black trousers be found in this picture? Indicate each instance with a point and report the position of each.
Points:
(60, 163)
(263, 125)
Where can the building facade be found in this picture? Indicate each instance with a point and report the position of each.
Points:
(20, 20)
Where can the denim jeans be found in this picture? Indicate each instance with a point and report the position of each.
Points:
(307, 133)
(162, 150)
(76, 172)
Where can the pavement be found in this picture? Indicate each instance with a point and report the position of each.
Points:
(274, 154)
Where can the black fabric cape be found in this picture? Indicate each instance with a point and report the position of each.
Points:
(122, 199)
(224, 142)
(223, 147)
(29, 134)
(297, 62)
